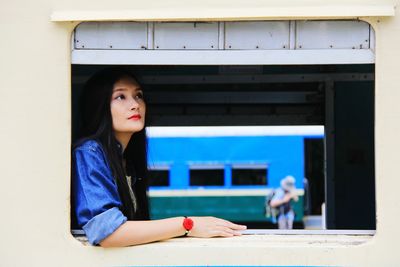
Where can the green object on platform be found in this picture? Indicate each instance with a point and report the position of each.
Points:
(234, 208)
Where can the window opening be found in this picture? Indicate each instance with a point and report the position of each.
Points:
(206, 176)
(254, 92)
(158, 177)
(250, 174)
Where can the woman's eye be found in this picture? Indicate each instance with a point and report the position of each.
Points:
(120, 97)
(139, 96)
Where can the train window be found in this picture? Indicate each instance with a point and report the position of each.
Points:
(158, 177)
(206, 176)
(256, 100)
(250, 174)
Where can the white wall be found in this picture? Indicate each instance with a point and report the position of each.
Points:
(35, 138)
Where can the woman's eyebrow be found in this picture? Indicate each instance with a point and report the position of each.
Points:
(125, 89)
(119, 89)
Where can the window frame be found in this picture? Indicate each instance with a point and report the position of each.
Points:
(198, 56)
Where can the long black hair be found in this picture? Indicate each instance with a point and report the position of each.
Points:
(96, 124)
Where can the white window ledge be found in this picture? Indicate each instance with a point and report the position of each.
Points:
(272, 238)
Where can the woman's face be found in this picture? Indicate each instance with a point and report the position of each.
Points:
(127, 107)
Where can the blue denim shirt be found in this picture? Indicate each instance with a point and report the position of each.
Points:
(96, 199)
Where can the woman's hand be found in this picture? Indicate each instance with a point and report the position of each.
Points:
(211, 226)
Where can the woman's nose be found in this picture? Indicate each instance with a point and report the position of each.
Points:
(134, 104)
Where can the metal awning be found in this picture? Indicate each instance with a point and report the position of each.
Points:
(224, 43)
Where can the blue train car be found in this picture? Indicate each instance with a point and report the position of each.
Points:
(224, 171)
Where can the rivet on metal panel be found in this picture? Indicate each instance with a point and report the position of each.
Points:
(157, 46)
(257, 46)
(110, 46)
(212, 46)
(184, 47)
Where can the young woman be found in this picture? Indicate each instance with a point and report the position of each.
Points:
(109, 186)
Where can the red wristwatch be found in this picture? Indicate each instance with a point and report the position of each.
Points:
(188, 225)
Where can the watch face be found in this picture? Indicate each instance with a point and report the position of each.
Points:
(188, 224)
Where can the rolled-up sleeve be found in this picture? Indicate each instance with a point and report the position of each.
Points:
(96, 199)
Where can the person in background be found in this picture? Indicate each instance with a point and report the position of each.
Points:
(282, 202)
(109, 170)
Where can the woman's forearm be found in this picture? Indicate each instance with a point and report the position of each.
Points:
(139, 232)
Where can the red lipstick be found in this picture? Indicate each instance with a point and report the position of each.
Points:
(135, 117)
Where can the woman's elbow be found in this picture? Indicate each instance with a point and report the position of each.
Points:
(106, 243)
(111, 242)
(114, 241)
